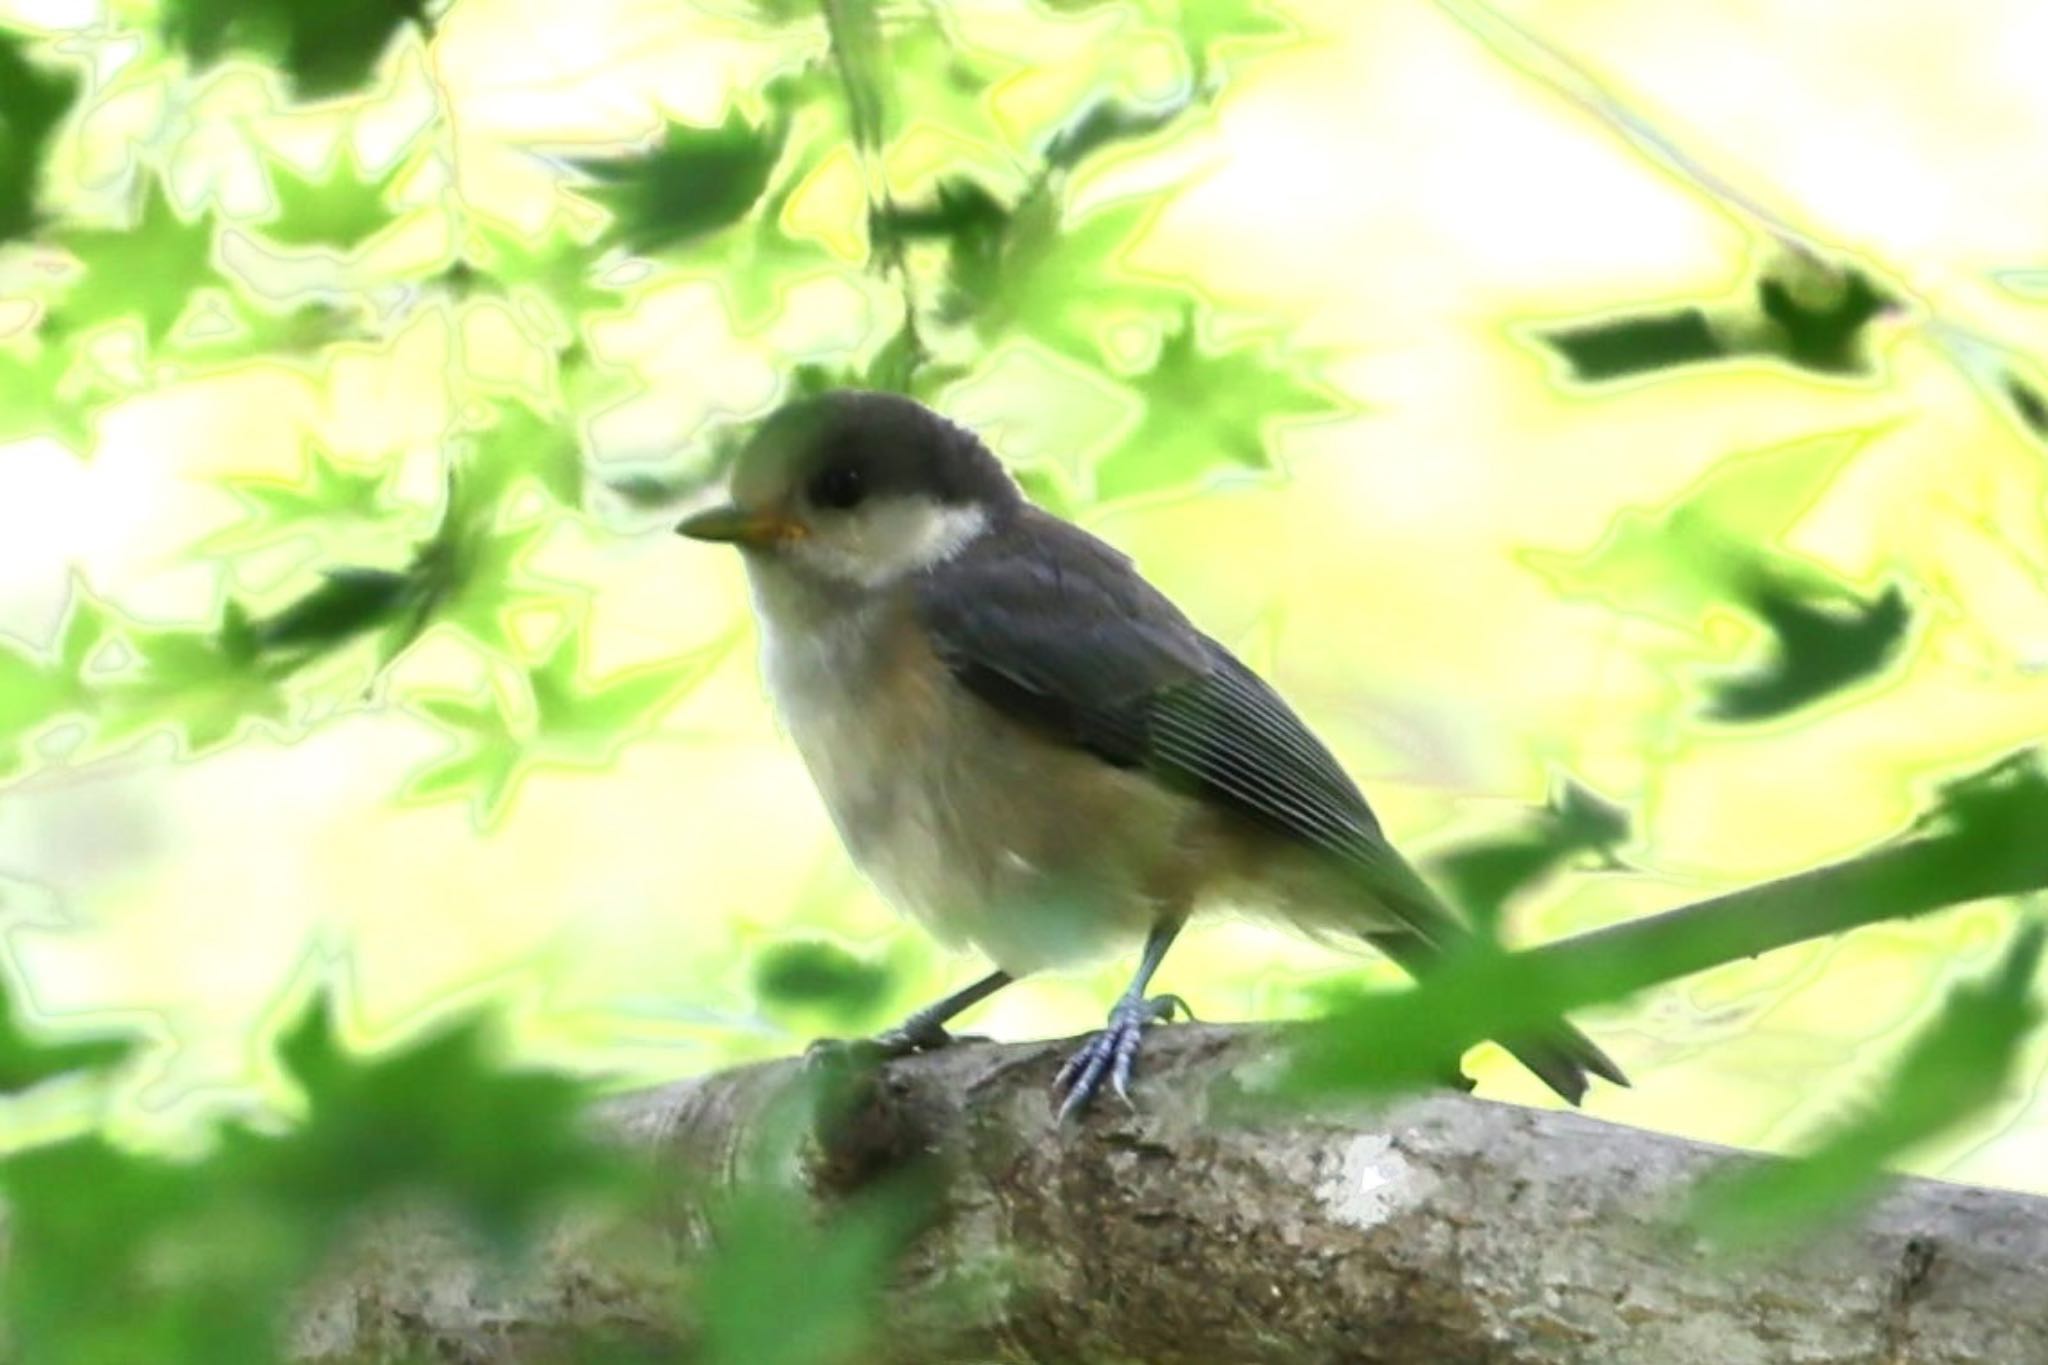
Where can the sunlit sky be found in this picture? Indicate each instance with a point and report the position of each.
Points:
(1403, 197)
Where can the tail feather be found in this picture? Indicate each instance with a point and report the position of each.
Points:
(1561, 1060)
(1561, 1057)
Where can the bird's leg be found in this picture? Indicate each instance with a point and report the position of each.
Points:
(1109, 1054)
(927, 1028)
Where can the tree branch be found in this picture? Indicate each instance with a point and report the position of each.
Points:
(1450, 1230)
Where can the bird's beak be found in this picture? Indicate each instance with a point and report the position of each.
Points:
(739, 526)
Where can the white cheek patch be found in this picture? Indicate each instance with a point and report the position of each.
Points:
(891, 538)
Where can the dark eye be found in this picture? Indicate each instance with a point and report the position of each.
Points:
(841, 487)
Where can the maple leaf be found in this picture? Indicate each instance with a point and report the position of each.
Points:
(33, 101)
(325, 48)
(337, 206)
(328, 489)
(694, 182)
(209, 685)
(1205, 409)
(147, 272)
(38, 687)
(1209, 30)
(573, 722)
(32, 397)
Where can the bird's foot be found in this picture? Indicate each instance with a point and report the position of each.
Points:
(912, 1035)
(1110, 1054)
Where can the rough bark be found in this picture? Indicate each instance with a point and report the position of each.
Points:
(1444, 1230)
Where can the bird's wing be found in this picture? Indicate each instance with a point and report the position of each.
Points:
(1058, 630)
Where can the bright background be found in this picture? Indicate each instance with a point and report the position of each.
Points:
(1409, 200)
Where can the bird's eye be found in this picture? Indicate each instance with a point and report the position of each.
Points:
(839, 487)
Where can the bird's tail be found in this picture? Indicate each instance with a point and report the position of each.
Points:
(1561, 1056)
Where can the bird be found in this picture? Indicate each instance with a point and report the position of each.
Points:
(1028, 747)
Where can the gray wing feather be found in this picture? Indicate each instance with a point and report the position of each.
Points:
(1059, 631)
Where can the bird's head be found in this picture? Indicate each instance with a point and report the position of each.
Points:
(857, 490)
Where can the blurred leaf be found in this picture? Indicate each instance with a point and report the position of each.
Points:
(784, 1289)
(1818, 647)
(1208, 29)
(558, 267)
(39, 687)
(32, 402)
(2029, 404)
(1975, 840)
(349, 602)
(695, 182)
(209, 685)
(1674, 561)
(329, 489)
(1963, 1064)
(1806, 312)
(817, 974)
(1820, 312)
(1104, 122)
(1022, 269)
(336, 206)
(575, 723)
(1619, 347)
(118, 1256)
(1485, 874)
(521, 444)
(148, 272)
(325, 48)
(439, 1116)
(1205, 409)
(26, 1060)
(33, 101)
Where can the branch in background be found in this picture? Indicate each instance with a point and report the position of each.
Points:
(1448, 1230)
(1982, 839)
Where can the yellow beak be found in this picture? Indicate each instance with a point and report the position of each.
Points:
(737, 525)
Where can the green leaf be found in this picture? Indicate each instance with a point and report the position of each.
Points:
(1976, 840)
(336, 206)
(1203, 410)
(33, 101)
(209, 685)
(695, 182)
(1485, 874)
(147, 272)
(325, 48)
(576, 722)
(1963, 1064)
(27, 1060)
(438, 1117)
(1806, 312)
(328, 490)
(520, 445)
(1819, 646)
(349, 602)
(32, 396)
(117, 1256)
(1209, 29)
(38, 688)
(784, 1289)
(1023, 269)
(815, 974)
(1675, 561)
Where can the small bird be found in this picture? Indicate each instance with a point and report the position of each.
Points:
(1026, 746)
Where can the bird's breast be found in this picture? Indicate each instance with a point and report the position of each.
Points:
(1034, 852)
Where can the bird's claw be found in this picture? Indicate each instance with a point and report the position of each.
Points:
(1110, 1054)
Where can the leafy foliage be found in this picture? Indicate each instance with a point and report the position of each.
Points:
(34, 99)
(1717, 546)
(120, 1255)
(1962, 1064)
(324, 49)
(1484, 874)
